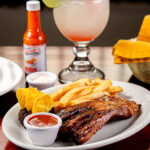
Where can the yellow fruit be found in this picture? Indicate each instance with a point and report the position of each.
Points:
(36, 92)
(27, 96)
(21, 96)
(132, 50)
(43, 104)
(30, 98)
(144, 34)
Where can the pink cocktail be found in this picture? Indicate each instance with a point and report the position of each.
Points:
(81, 21)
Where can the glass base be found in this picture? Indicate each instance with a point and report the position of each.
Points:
(81, 67)
(68, 75)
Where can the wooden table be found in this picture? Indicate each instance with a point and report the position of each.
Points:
(59, 58)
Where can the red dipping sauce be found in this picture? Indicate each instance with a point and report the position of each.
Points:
(42, 121)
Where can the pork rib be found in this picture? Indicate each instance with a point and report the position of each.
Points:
(82, 121)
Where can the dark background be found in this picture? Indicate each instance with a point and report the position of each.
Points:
(125, 20)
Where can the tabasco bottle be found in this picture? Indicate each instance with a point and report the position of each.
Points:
(34, 41)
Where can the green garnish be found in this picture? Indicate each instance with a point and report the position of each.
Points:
(51, 3)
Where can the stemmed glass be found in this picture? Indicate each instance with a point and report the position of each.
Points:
(81, 21)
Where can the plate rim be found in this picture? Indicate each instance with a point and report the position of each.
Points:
(121, 136)
(20, 76)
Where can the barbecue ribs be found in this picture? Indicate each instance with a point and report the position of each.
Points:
(82, 121)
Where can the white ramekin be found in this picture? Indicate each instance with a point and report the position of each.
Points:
(41, 86)
(42, 136)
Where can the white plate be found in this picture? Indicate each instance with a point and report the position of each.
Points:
(110, 133)
(10, 75)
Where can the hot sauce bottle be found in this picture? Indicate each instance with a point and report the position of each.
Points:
(34, 40)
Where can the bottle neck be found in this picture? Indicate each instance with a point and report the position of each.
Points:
(34, 22)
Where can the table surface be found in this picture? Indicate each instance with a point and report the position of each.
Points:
(59, 58)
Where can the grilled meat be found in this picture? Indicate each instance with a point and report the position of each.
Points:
(22, 114)
(81, 122)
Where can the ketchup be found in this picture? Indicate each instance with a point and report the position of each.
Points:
(34, 40)
(42, 121)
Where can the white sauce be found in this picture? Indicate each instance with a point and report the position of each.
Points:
(43, 79)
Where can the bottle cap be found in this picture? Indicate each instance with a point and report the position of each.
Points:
(33, 5)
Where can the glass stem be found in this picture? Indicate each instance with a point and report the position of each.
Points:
(81, 62)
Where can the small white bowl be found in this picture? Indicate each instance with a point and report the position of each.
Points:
(42, 136)
(41, 85)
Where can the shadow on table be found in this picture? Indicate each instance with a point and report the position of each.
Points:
(7, 101)
(138, 82)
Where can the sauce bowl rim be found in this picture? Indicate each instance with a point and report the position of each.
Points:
(28, 126)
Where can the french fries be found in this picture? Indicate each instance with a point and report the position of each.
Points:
(115, 89)
(75, 94)
(81, 91)
(104, 86)
(88, 98)
(98, 81)
(62, 91)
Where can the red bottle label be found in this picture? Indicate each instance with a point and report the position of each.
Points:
(34, 58)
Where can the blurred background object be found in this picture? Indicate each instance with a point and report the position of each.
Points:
(125, 21)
